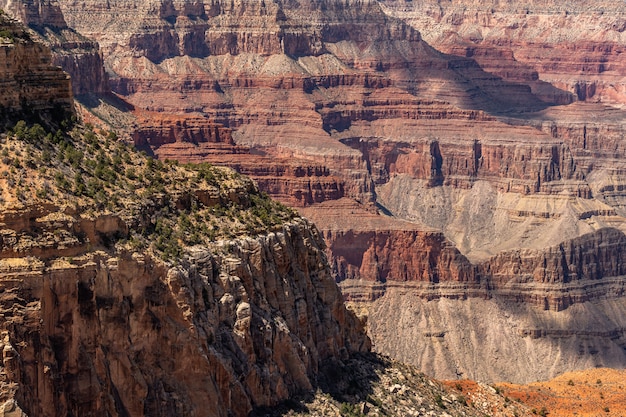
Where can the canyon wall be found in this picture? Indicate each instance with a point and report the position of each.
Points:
(120, 333)
(29, 84)
(575, 47)
(469, 151)
(77, 55)
(98, 320)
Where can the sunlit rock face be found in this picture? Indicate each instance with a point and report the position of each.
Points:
(469, 151)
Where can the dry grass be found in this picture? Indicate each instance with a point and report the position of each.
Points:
(595, 392)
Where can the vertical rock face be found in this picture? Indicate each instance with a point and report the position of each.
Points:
(92, 324)
(29, 83)
(123, 334)
(36, 12)
(496, 159)
(200, 28)
(580, 53)
(77, 55)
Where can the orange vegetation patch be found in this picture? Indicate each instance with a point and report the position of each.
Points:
(487, 399)
(595, 392)
(466, 386)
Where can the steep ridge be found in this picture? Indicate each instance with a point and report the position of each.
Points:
(104, 325)
(134, 287)
(30, 86)
(347, 113)
(77, 55)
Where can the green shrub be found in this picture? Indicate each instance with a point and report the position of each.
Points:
(439, 401)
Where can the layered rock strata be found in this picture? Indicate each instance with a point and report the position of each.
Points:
(87, 330)
(144, 288)
(488, 164)
(77, 55)
(575, 47)
(29, 84)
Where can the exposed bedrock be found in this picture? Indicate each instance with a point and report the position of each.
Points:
(580, 53)
(544, 265)
(30, 85)
(118, 333)
(502, 177)
(78, 56)
(491, 339)
(524, 314)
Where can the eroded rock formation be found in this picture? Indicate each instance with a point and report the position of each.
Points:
(120, 333)
(29, 84)
(498, 163)
(142, 288)
(77, 55)
(575, 47)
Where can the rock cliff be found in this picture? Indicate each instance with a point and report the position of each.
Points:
(77, 55)
(136, 287)
(120, 333)
(575, 47)
(30, 86)
(490, 167)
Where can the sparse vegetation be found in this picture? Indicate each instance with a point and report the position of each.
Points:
(181, 205)
(349, 410)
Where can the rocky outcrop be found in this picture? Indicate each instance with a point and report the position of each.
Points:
(29, 84)
(120, 333)
(155, 131)
(437, 174)
(580, 53)
(77, 55)
(148, 288)
(36, 12)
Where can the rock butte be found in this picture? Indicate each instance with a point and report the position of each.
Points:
(486, 172)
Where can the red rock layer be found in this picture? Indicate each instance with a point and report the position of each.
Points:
(77, 55)
(28, 80)
(96, 331)
(156, 129)
(371, 253)
(580, 54)
(331, 100)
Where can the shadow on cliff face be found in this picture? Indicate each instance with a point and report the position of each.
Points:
(94, 100)
(349, 382)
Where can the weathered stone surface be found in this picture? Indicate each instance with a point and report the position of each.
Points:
(77, 55)
(29, 83)
(492, 159)
(491, 339)
(123, 334)
(574, 46)
(95, 322)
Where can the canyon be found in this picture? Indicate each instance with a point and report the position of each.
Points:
(463, 162)
(97, 319)
(77, 55)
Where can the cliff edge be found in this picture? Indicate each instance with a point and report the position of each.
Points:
(130, 286)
